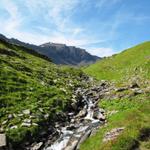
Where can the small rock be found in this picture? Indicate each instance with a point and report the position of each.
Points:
(55, 81)
(20, 115)
(82, 113)
(26, 124)
(26, 112)
(14, 115)
(74, 105)
(13, 127)
(46, 116)
(134, 85)
(34, 124)
(10, 116)
(4, 122)
(2, 140)
(1, 130)
(41, 110)
(137, 91)
(42, 83)
(27, 121)
(102, 110)
(121, 89)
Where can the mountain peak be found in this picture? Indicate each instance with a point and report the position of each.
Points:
(49, 44)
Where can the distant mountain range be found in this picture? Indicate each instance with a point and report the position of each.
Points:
(59, 53)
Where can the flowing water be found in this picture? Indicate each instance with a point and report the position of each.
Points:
(71, 139)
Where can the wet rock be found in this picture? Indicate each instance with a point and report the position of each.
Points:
(43, 133)
(74, 105)
(2, 140)
(26, 112)
(102, 110)
(37, 146)
(98, 115)
(72, 127)
(82, 113)
(113, 134)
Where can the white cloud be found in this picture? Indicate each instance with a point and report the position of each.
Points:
(102, 51)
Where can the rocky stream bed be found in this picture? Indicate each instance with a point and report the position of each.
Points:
(83, 120)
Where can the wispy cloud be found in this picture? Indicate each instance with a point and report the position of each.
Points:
(14, 20)
(73, 22)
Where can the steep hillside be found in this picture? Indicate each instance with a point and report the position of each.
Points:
(126, 103)
(129, 63)
(59, 53)
(32, 91)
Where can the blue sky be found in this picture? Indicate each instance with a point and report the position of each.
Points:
(102, 27)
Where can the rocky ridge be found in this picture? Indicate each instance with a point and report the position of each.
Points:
(58, 53)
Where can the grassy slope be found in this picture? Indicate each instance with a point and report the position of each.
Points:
(30, 82)
(130, 62)
(134, 112)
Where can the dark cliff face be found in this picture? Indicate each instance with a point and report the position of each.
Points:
(59, 53)
(63, 54)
